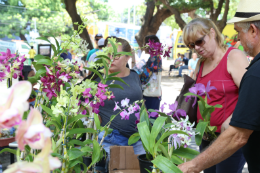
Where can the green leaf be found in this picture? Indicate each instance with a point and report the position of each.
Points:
(201, 127)
(54, 50)
(201, 108)
(115, 86)
(114, 74)
(47, 110)
(118, 79)
(157, 126)
(96, 152)
(39, 57)
(77, 169)
(75, 153)
(97, 122)
(40, 72)
(191, 94)
(105, 65)
(218, 106)
(81, 130)
(76, 118)
(33, 79)
(134, 138)
(37, 66)
(8, 150)
(212, 128)
(44, 62)
(77, 142)
(114, 46)
(176, 160)
(88, 141)
(43, 38)
(86, 149)
(144, 115)
(165, 165)
(29, 158)
(74, 163)
(169, 125)
(145, 134)
(96, 72)
(57, 155)
(49, 123)
(124, 53)
(186, 153)
(164, 151)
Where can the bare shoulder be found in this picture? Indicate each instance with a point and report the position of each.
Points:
(237, 55)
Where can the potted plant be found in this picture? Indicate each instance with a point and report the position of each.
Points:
(206, 131)
(163, 137)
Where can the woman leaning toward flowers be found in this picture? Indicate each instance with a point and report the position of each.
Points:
(224, 67)
(132, 92)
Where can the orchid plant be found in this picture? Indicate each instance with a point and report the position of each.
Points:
(203, 127)
(168, 135)
(11, 66)
(65, 109)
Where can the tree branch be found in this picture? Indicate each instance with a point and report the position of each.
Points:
(222, 23)
(75, 17)
(193, 14)
(145, 23)
(176, 13)
(218, 10)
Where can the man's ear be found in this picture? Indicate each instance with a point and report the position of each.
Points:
(253, 30)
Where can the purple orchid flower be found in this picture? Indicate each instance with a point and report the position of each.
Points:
(179, 113)
(163, 106)
(176, 141)
(153, 114)
(137, 115)
(124, 115)
(201, 90)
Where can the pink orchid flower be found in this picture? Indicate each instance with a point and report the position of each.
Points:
(32, 131)
(43, 162)
(13, 103)
(124, 115)
(44, 158)
(24, 167)
(125, 102)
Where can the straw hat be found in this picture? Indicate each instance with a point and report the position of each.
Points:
(247, 11)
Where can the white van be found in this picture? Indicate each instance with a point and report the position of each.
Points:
(15, 46)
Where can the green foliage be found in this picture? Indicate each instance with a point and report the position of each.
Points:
(166, 165)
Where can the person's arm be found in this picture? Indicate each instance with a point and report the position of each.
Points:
(226, 144)
(236, 66)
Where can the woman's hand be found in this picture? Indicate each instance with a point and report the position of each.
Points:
(225, 125)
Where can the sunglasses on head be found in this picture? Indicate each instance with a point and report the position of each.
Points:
(200, 42)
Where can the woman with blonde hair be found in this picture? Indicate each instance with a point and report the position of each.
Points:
(224, 67)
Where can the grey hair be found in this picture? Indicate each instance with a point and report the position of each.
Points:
(246, 25)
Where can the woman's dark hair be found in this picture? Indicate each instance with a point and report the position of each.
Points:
(151, 37)
(31, 47)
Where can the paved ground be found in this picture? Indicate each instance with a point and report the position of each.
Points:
(171, 87)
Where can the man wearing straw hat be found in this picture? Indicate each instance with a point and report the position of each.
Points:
(244, 129)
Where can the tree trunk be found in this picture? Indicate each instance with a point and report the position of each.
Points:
(72, 10)
(151, 23)
(22, 36)
(223, 22)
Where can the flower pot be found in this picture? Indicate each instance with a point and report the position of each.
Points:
(87, 161)
(6, 141)
(144, 164)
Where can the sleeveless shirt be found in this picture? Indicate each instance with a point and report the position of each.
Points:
(225, 95)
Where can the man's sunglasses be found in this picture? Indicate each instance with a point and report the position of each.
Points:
(96, 39)
(200, 42)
